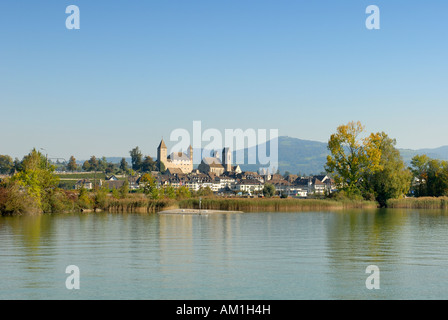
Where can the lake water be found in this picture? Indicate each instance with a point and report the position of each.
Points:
(280, 256)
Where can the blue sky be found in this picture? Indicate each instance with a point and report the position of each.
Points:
(137, 70)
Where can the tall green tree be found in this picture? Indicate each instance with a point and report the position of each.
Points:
(419, 169)
(124, 189)
(148, 165)
(393, 179)
(93, 161)
(6, 164)
(123, 165)
(86, 166)
(430, 176)
(102, 164)
(111, 168)
(37, 178)
(136, 158)
(352, 156)
(72, 166)
(149, 186)
(437, 178)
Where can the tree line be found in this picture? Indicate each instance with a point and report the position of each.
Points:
(139, 163)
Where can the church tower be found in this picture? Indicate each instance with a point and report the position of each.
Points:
(190, 149)
(227, 159)
(162, 151)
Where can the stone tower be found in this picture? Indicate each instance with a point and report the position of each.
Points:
(190, 149)
(162, 151)
(227, 159)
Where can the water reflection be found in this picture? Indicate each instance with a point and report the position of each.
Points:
(307, 255)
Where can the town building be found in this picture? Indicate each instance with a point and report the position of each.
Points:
(175, 160)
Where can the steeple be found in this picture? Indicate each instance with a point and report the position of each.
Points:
(162, 145)
(162, 153)
(227, 159)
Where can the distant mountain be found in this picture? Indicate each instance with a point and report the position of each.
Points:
(294, 155)
(436, 153)
(307, 156)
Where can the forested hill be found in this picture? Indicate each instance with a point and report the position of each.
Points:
(309, 157)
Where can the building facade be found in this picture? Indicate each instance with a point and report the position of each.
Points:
(175, 160)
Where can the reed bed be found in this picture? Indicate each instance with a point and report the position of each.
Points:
(275, 205)
(140, 205)
(419, 203)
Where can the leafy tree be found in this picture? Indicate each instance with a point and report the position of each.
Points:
(284, 195)
(111, 168)
(169, 192)
(351, 157)
(86, 166)
(84, 200)
(101, 197)
(72, 166)
(123, 165)
(183, 193)
(419, 169)
(204, 192)
(269, 190)
(124, 189)
(149, 186)
(14, 201)
(437, 178)
(148, 165)
(17, 165)
(6, 164)
(393, 179)
(136, 158)
(37, 179)
(102, 164)
(93, 163)
(116, 193)
(430, 176)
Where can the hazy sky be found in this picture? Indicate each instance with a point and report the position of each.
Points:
(137, 70)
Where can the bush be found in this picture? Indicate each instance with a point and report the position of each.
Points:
(15, 200)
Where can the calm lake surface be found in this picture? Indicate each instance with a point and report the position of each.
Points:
(280, 256)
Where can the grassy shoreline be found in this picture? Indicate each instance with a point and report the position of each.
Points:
(274, 204)
(419, 203)
(141, 204)
(232, 204)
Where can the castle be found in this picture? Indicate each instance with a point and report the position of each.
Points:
(184, 162)
(176, 160)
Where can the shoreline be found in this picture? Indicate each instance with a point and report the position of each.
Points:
(196, 212)
(242, 205)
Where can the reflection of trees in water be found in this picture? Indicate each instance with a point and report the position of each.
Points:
(359, 238)
(32, 236)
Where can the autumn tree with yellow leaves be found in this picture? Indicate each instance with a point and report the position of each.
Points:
(352, 157)
(368, 166)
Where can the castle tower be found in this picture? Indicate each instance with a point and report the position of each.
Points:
(227, 159)
(162, 151)
(190, 149)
